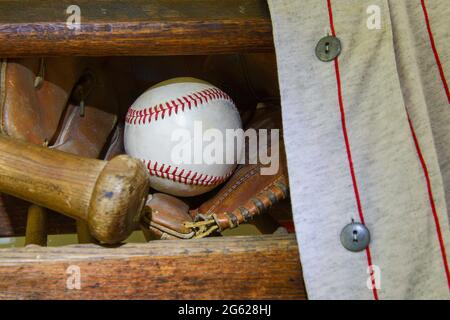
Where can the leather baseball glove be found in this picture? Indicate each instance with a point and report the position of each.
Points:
(62, 103)
(246, 194)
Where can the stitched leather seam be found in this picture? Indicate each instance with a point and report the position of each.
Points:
(171, 232)
(232, 188)
(177, 174)
(172, 107)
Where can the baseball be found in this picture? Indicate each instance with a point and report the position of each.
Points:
(171, 128)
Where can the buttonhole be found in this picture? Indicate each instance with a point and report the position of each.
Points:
(355, 236)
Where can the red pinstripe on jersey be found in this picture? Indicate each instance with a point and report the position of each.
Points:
(347, 147)
(435, 52)
(431, 199)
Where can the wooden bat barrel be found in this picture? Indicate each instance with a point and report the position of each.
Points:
(108, 195)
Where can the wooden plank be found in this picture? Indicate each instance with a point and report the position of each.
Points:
(257, 267)
(134, 27)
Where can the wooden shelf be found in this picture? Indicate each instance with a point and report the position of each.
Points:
(134, 27)
(251, 267)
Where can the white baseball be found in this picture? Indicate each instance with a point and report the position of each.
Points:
(169, 106)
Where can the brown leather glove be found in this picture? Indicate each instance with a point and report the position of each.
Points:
(63, 103)
(246, 194)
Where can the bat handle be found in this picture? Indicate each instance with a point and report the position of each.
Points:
(36, 231)
(108, 195)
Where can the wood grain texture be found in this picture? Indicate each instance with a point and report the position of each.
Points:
(36, 232)
(13, 218)
(83, 234)
(49, 178)
(108, 195)
(260, 267)
(134, 27)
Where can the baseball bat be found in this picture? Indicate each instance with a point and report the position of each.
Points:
(108, 195)
(83, 234)
(36, 230)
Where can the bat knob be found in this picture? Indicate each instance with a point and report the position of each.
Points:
(118, 199)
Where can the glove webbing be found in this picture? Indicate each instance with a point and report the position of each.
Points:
(274, 193)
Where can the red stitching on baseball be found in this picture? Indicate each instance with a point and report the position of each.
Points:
(164, 109)
(164, 171)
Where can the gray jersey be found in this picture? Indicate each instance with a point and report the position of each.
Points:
(368, 139)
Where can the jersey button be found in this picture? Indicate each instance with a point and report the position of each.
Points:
(355, 237)
(328, 48)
